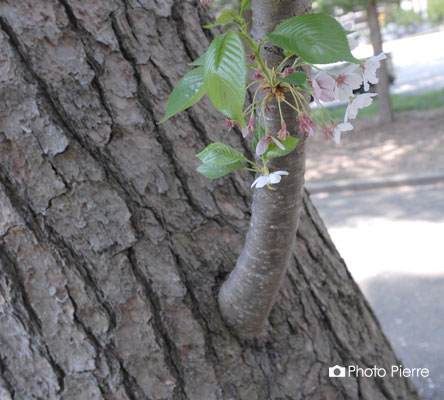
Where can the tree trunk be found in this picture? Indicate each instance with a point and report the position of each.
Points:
(113, 248)
(383, 88)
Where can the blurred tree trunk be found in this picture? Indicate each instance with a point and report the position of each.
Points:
(112, 247)
(383, 88)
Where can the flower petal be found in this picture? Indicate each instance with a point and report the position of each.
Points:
(337, 136)
(262, 146)
(345, 126)
(260, 182)
(281, 173)
(278, 143)
(275, 178)
(347, 111)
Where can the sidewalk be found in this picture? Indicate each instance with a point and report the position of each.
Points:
(410, 148)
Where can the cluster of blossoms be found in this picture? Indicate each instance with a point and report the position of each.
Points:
(328, 87)
(221, 74)
(325, 87)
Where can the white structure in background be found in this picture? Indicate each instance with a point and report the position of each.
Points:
(418, 6)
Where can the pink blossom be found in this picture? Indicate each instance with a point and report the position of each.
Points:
(369, 70)
(306, 124)
(346, 82)
(244, 132)
(229, 124)
(250, 126)
(258, 75)
(356, 103)
(328, 132)
(323, 87)
(206, 1)
(274, 177)
(283, 132)
(262, 146)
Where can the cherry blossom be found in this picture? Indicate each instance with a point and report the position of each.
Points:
(342, 127)
(328, 132)
(288, 71)
(369, 70)
(250, 126)
(229, 124)
(262, 146)
(306, 124)
(248, 129)
(356, 103)
(283, 132)
(258, 75)
(274, 177)
(323, 87)
(346, 82)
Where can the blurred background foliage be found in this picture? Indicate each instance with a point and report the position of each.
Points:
(403, 13)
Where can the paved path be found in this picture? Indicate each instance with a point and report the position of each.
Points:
(418, 62)
(392, 242)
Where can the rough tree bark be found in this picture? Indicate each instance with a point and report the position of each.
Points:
(383, 87)
(113, 249)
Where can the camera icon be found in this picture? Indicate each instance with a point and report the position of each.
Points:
(336, 372)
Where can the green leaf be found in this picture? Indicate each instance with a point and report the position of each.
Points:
(259, 133)
(220, 154)
(198, 61)
(226, 16)
(225, 75)
(275, 151)
(188, 91)
(216, 172)
(244, 4)
(316, 38)
(298, 78)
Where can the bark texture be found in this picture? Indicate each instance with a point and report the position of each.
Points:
(112, 247)
(383, 88)
(250, 291)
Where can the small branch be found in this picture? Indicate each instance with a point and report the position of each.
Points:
(246, 298)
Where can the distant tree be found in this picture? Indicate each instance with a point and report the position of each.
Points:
(435, 10)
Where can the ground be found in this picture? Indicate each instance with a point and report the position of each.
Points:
(413, 144)
(391, 236)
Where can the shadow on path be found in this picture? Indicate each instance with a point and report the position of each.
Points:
(411, 311)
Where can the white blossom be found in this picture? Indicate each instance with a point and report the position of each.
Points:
(342, 127)
(274, 177)
(369, 70)
(356, 103)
